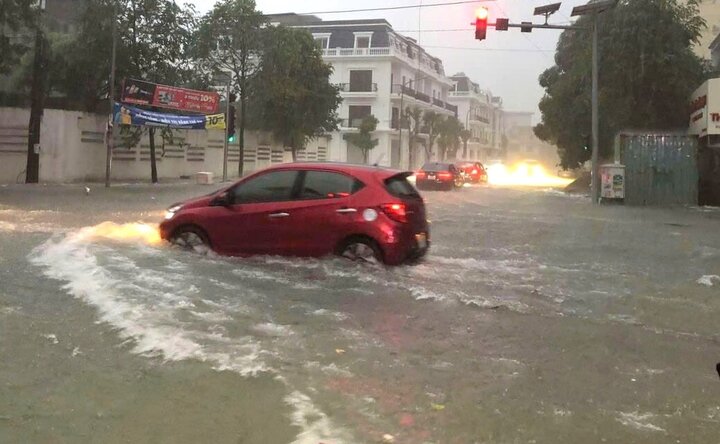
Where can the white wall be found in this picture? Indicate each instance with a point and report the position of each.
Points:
(73, 150)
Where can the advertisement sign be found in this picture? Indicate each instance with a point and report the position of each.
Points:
(130, 115)
(138, 92)
(705, 109)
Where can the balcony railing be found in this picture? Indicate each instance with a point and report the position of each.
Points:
(348, 52)
(477, 118)
(422, 97)
(438, 102)
(351, 123)
(352, 87)
(452, 108)
(397, 89)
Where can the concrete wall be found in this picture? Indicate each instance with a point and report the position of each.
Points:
(73, 150)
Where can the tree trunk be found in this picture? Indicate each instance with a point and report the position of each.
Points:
(293, 150)
(465, 155)
(153, 162)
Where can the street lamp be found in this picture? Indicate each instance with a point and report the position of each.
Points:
(594, 8)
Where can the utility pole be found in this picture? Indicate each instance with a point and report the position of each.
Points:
(37, 100)
(225, 139)
(595, 176)
(109, 142)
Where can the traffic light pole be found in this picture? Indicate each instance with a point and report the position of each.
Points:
(110, 131)
(595, 178)
(225, 139)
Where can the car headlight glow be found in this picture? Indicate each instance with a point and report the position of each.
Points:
(170, 213)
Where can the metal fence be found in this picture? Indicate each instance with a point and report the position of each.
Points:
(660, 169)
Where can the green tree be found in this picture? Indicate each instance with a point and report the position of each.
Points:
(15, 16)
(432, 121)
(292, 96)
(449, 139)
(229, 39)
(647, 72)
(363, 138)
(413, 119)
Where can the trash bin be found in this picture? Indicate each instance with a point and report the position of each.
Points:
(612, 182)
(204, 178)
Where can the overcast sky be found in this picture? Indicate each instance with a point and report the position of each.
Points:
(507, 63)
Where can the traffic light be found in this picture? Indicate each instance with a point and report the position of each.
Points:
(231, 118)
(481, 21)
(502, 24)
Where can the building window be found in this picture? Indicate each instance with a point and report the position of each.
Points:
(363, 39)
(322, 40)
(361, 81)
(356, 114)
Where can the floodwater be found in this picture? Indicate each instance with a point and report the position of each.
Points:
(536, 318)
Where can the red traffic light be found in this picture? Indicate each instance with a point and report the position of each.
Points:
(481, 21)
(482, 14)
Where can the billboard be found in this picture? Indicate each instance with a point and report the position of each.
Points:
(139, 92)
(705, 109)
(130, 115)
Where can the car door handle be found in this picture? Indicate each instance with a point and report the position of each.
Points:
(346, 210)
(279, 215)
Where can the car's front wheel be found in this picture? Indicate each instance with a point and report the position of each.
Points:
(191, 238)
(361, 250)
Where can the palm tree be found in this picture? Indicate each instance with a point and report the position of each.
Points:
(433, 121)
(449, 140)
(465, 135)
(414, 115)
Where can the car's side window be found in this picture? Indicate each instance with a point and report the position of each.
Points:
(328, 185)
(276, 186)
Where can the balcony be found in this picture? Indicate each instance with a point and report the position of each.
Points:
(355, 52)
(351, 123)
(398, 89)
(452, 108)
(357, 88)
(422, 97)
(410, 57)
(481, 119)
(439, 103)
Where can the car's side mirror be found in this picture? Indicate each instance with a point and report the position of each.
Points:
(223, 200)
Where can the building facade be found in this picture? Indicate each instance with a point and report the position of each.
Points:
(710, 12)
(380, 73)
(524, 145)
(482, 114)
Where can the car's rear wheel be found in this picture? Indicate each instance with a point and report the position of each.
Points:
(458, 182)
(360, 249)
(191, 238)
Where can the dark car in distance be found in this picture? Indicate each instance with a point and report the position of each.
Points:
(308, 209)
(438, 176)
(472, 172)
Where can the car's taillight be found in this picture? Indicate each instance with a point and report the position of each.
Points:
(445, 175)
(395, 211)
(420, 175)
(474, 171)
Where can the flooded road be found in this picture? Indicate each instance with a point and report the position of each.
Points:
(536, 318)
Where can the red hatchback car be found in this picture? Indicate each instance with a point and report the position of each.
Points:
(308, 209)
(473, 172)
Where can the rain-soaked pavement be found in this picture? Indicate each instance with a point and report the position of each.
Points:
(537, 318)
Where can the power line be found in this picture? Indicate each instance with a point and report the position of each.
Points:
(389, 8)
(465, 48)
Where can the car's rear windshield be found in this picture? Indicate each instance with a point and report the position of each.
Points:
(435, 166)
(399, 186)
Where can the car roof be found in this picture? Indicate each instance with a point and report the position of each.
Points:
(357, 170)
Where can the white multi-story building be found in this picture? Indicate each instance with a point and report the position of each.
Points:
(482, 114)
(371, 63)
